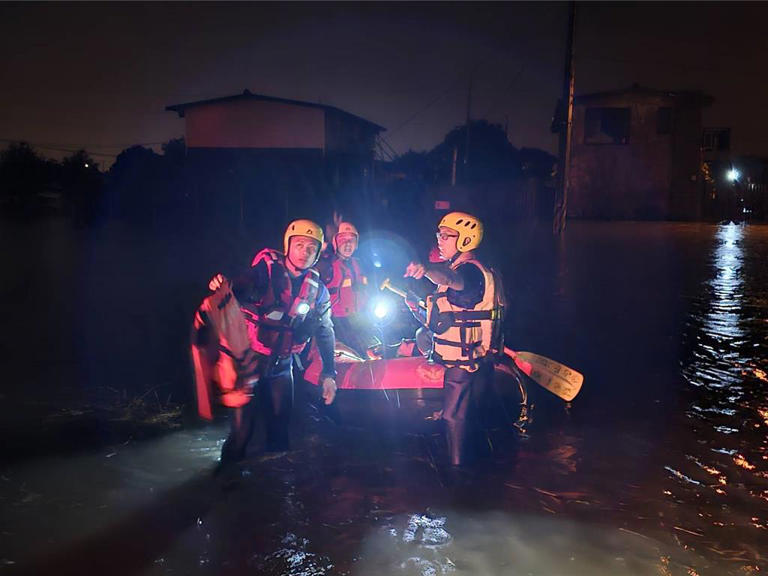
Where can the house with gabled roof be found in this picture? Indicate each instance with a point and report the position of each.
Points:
(252, 155)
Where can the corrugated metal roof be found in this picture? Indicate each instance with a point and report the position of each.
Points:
(248, 95)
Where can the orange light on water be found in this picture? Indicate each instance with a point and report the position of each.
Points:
(741, 461)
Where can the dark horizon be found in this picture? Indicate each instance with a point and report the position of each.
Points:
(100, 76)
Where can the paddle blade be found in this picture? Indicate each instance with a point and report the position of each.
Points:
(562, 381)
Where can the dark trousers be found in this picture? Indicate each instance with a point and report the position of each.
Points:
(275, 399)
(462, 396)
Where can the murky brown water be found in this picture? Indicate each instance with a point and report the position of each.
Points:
(660, 466)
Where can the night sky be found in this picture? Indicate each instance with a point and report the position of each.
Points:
(100, 76)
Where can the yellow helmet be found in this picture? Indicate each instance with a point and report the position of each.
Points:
(469, 228)
(345, 228)
(303, 227)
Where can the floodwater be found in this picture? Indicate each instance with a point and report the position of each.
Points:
(658, 467)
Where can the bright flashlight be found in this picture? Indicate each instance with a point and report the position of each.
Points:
(733, 174)
(302, 308)
(381, 309)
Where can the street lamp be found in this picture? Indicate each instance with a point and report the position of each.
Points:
(733, 175)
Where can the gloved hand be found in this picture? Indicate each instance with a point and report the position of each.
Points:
(412, 301)
(217, 282)
(414, 304)
(329, 390)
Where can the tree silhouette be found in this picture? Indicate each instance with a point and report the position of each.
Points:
(175, 153)
(491, 156)
(135, 185)
(82, 187)
(24, 176)
(537, 163)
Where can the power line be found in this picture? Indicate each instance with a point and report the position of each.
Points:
(81, 147)
(59, 149)
(511, 85)
(453, 85)
(426, 107)
(72, 148)
(387, 148)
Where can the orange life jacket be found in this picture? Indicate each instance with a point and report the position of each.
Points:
(224, 366)
(346, 285)
(463, 336)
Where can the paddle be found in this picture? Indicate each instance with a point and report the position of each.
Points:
(562, 381)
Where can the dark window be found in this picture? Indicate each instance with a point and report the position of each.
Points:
(716, 139)
(606, 126)
(664, 120)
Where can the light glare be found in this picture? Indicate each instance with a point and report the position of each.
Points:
(381, 309)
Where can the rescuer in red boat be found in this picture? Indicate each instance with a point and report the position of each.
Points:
(348, 287)
(464, 313)
(285, 304)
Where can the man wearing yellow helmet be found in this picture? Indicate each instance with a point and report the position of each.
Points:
(285, 303)
(465, 314)
(348, 287)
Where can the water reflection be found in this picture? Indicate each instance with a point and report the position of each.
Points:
(292, 559)
(454, 542)
(680, 489)
(719, 488)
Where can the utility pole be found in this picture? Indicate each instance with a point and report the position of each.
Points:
(453, 166)
(564, 148)
(469, 120)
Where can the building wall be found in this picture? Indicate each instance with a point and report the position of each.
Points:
(256, 188)
(262, 163)
(687, 190)
(254, 124)
(348, 136)
(632, 180)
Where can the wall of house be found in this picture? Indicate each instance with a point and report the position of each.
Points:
(346, 135)
(256, 188)
(254, 124)
(687, 186)
(630, 181)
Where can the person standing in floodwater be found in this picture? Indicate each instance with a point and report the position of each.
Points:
(285, 304)
(464, 314)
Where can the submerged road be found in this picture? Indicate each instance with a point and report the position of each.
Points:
(660, 466)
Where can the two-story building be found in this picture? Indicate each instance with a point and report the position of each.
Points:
(636, 154)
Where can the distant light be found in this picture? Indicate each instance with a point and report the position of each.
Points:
(733, 174)
(86, 164)
(377, 263)
(302, 308)
(381, 309)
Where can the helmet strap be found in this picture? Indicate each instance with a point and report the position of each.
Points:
(288, 258)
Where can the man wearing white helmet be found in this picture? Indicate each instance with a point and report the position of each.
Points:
(465, 314)
(285, 303)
